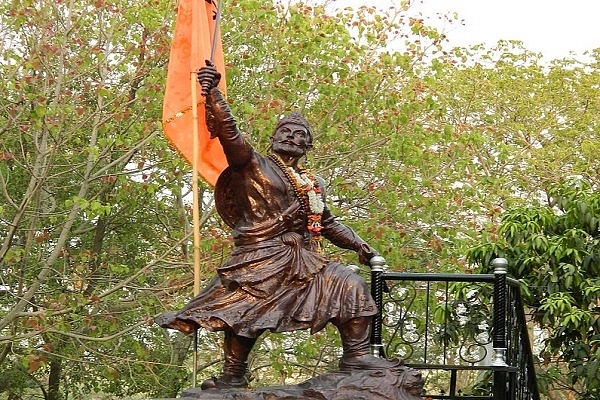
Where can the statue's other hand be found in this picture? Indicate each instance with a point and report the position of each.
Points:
(208, 77)
(365, 253)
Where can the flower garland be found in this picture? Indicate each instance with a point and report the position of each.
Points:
(307, 190)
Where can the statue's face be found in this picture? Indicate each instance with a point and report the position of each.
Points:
(290, 140)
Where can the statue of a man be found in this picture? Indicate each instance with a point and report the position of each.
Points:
(276, 279)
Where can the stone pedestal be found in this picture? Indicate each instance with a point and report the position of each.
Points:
(402, 384)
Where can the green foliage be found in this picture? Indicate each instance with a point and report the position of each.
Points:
(420, 148)
(93, 238)
(554, 249)
(370, 107)
(293, 357)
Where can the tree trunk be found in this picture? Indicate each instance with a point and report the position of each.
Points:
(54, 379)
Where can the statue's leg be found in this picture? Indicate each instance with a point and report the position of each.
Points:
(355, 335)
(235, 368)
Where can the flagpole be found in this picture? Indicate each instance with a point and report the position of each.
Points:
(195, 195)
(196, 200)
(195, 212)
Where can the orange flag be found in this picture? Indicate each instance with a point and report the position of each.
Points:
(191, 46)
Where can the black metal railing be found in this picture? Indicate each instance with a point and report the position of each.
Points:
(466, 332)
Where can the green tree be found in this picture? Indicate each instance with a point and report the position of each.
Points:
(527, 124)
(420, 147)
(92, 220)
(371, 107)
(94, 209)
(554, 249)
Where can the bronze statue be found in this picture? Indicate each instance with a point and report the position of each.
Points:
(276, 279)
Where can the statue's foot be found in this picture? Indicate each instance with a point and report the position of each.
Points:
(368, 362)
(227, 382)
(170, 320)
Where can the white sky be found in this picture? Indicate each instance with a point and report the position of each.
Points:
(551, 27)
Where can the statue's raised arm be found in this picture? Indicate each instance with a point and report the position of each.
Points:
(219, 119)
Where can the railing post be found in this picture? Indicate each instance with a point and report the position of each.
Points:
(377, 268)
(499, 338)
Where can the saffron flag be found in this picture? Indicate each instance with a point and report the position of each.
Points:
(191, 46)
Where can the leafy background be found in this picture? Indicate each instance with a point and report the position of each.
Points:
(440, 158)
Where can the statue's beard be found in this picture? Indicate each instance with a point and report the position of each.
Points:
(288, 148)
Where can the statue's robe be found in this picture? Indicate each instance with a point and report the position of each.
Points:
(276, 279)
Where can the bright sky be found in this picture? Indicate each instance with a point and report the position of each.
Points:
(551, 27)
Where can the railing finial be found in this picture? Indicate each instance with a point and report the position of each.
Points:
(377, 263)
(500, 264)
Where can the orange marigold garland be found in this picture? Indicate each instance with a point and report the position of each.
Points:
(306, 187)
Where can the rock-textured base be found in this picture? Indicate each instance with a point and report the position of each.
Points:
(402, 384)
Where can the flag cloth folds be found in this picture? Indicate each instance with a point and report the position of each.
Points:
(191, 46)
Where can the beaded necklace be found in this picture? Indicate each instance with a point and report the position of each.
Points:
(307, 190)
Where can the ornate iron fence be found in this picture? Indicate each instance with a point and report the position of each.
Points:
(466, 332)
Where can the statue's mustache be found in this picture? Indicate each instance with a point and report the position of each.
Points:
(284, 141)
